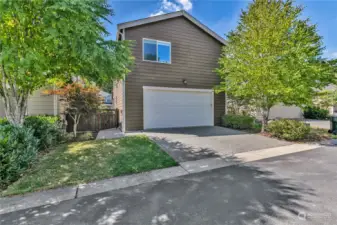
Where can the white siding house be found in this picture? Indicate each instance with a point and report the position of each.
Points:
(39, 104)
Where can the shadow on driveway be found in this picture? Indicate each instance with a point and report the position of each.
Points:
(232, 195)
(194, 143)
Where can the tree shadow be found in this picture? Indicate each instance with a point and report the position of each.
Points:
(187, 144)
(238, 194)
(182, 152)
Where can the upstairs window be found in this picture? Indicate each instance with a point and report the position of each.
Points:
(156, 51)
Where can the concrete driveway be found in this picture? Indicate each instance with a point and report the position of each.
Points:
(194, 143)
(296, 189)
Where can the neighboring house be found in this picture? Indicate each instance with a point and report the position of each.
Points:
(107, 97)
(288, 112)
(294, 112)
(172, 81)
(42, 104)
(39, 104)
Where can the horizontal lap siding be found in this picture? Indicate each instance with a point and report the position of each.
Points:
(194, 57)
(40, 104)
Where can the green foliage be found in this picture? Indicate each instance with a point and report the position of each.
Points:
(290, 130)
(238, 122)
(79, 100)
(85, 136)
(3, 121)
(43, 42)
(325, 99)
(315, 113)
(107, 87)
(45, 128)
(18, 149)
(274, 56)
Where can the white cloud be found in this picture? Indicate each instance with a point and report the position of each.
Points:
(187, 4)
(173, 6)
(170, 6)
(160, 12)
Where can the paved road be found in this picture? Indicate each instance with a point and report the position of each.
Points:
(295, 189)
(193, 143)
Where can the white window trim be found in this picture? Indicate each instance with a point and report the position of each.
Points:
(165, 42)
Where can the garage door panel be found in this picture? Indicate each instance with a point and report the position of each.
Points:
(171, 108)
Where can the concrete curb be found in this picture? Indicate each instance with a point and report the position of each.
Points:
(54, 196)
(11, 204)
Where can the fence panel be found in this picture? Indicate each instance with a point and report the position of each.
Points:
(95, 122)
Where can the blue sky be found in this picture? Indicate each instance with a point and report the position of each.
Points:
(222, 15)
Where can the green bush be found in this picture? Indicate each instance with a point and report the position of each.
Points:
(316, 113)
(3, 121)
(45, 128)
(18, 149)
(290, 130)
(84, 136)
(238, 122)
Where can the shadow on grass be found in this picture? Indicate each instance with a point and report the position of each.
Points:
(239, 194)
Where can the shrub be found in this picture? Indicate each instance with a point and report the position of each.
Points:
(316, 113)
(18, 149)
(238, 121)
(3, 121)
(45, 128)
(290, 130)
(84, 136)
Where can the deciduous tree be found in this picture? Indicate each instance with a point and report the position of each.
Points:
(274, 56)
(78, 99)
(46, 40)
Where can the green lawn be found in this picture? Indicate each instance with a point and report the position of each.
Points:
(82, 162)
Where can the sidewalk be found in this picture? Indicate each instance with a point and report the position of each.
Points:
(10, 204)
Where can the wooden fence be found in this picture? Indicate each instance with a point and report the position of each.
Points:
(95, 122)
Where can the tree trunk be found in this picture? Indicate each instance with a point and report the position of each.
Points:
(16, 110)
(75, 129)
(76, 119)
(15, 100)
(265, 118)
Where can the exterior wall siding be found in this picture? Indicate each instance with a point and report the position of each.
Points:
(287, 112)
(194, 56)
(39, 104)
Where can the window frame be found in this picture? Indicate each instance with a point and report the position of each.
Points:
(157, 41)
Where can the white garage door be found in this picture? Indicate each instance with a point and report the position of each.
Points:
(177, 107)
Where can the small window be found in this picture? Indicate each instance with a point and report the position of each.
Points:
(156, 51)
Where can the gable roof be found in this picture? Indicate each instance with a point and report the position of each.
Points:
(183, 13)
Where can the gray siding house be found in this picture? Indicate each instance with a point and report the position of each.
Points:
(172, 81)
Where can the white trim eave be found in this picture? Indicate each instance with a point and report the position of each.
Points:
(169, 16)
(177, 89)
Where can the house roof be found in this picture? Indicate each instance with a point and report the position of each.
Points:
(183, 13)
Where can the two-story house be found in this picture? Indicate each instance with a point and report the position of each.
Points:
(172, 81)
